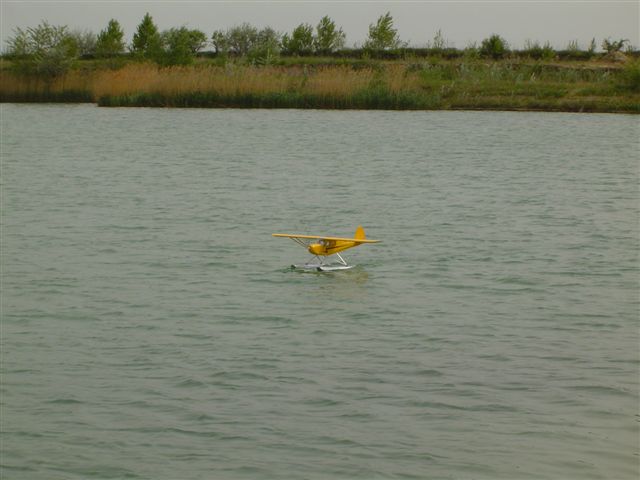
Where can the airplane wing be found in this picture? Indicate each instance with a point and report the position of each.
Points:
(322, 237)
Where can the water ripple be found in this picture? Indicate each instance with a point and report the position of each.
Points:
(152, 327)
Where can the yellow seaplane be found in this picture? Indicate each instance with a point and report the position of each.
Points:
(321, 247)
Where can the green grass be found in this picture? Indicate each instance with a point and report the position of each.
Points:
(372, 99)
(375, 99)
(65, 96)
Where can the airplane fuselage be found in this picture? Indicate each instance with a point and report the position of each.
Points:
(329, 247)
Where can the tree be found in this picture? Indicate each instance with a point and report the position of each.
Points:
(301, 40)
(194, 40)
(177, 51)
(110, 40)
(241, 38)
(219, 41)
(146, 40)
(46, 50)
(382, 35)
(181, 45)
(495, 47)
(259, 46)
(197, 40)
(266, 46)
(328, 37)
(86, 42)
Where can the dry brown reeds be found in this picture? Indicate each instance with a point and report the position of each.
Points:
(390, 85)
(230, 80)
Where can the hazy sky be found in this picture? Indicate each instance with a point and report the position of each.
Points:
(417, 21)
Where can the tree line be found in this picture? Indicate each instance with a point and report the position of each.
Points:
(50, 50)
(180, 45)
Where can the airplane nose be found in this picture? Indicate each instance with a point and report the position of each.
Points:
(317, 249)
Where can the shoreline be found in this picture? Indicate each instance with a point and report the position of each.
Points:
(426, 85)
(458, 108)
(461, 108)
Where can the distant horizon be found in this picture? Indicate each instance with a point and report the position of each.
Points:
(461, 23)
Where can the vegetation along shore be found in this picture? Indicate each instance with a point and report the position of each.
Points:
(310, 68)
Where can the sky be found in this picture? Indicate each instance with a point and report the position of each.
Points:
(462, 22)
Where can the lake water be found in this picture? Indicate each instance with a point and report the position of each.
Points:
(152, 328)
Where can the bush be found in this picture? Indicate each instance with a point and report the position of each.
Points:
(629, 77)
(45, 50)
(494, 47)
(578, 55)
(612, 46)
(537, 52)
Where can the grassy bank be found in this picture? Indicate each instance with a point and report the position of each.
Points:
(440, 84)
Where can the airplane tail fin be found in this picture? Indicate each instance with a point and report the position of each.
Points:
(360, 233)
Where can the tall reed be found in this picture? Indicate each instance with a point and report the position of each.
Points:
(391, 85)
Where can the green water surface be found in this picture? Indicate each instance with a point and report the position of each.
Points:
(151, 327)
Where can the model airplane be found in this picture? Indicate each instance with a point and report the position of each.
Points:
(320, 246)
